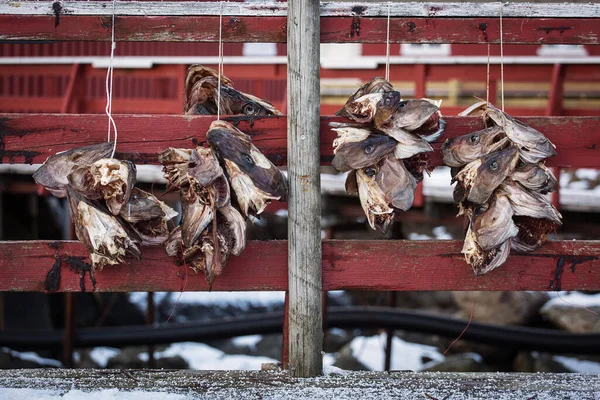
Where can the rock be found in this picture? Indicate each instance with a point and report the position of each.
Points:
(270, 346)
(506, 308)
(538, 362)
(127, 358)
(175, 362)
(10, 359)
(345, 360)
(469, 362)
(572, 318)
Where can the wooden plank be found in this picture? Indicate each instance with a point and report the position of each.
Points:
(31, 138)
(346, 29)
(281, 385)
(347, 264)
(330, 9)
(305, 314)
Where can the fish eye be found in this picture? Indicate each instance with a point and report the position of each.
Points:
(481, 208)
(493, 165)
(387, 101)
(370, 172)
(474, 139)
(401, 104)
(248, 159)
(250, 109)
(369, 149)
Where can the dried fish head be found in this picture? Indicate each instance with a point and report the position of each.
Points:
(373, 200)
(254, 179)
(460, 151)
(375, 85)
(408, 115)
(535, 177)
(533, 145)
(215, 255)
(478, 179)
(108, 178)
(482, 261)
(148, 217)
(101, 233)
(53, 174)
(201, 96)
(492, 223)
(529, 203)
(357, 148)
(364, 108)
(396, 182)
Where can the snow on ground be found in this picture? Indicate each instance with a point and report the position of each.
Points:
(405, 356)
(247, 341)
(575, 299)
(577, 365)
(32, 356)
(203, 357)
(439, 233)
(101, 355)
(223, 299)
(107, 394)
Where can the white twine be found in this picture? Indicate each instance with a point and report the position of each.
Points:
(109, 84)
(220, 67)
(501, 58)
(387, 47)
(487, 82)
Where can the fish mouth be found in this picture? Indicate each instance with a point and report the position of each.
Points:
(360, 154)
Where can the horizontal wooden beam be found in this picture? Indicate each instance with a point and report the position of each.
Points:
(342, 29)
(329, 9)
(31, 138)
(372, 265)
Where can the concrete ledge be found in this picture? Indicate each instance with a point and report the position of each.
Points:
(278, 384)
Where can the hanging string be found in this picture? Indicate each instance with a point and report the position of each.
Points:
(109, 84)
(501, 57)
(387, 47)
(487, 82)
(220, 67)
(466, 327)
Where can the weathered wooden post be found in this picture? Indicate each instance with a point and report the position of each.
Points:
(304, 228)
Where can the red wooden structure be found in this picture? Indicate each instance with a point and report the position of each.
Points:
(377, 265)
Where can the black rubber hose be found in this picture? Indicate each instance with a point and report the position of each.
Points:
(515, 337)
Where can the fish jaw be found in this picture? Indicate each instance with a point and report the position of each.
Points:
(397, 184)
(232, 226)
(408, 115)
(495, 225)
(535, 177)
(363, 109)
(195, 217)
(528, 203)
(53, 174)
(372, 199)
(203, 166)
(482, 261)
(249, 197)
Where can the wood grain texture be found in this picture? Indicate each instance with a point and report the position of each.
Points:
(31, 138)
(347, 264)
(305, 315)
(343, 29)
(332, 9)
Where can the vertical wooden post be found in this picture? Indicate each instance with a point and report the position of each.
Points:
(304, 228)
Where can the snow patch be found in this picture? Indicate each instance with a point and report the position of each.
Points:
(577, 365)
(101, 355)
(107, 394)
(33, 357)
(247, 341)
(405, 356)
(203, 357)
(573, 299)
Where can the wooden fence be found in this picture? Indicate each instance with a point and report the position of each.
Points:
(377, 265)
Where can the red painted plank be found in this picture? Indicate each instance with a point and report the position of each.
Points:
(373, 265)
(333, 29)
(33, 137)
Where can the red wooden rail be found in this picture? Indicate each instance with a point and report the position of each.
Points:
(342, 29)
(31, 138)
(374, 265)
